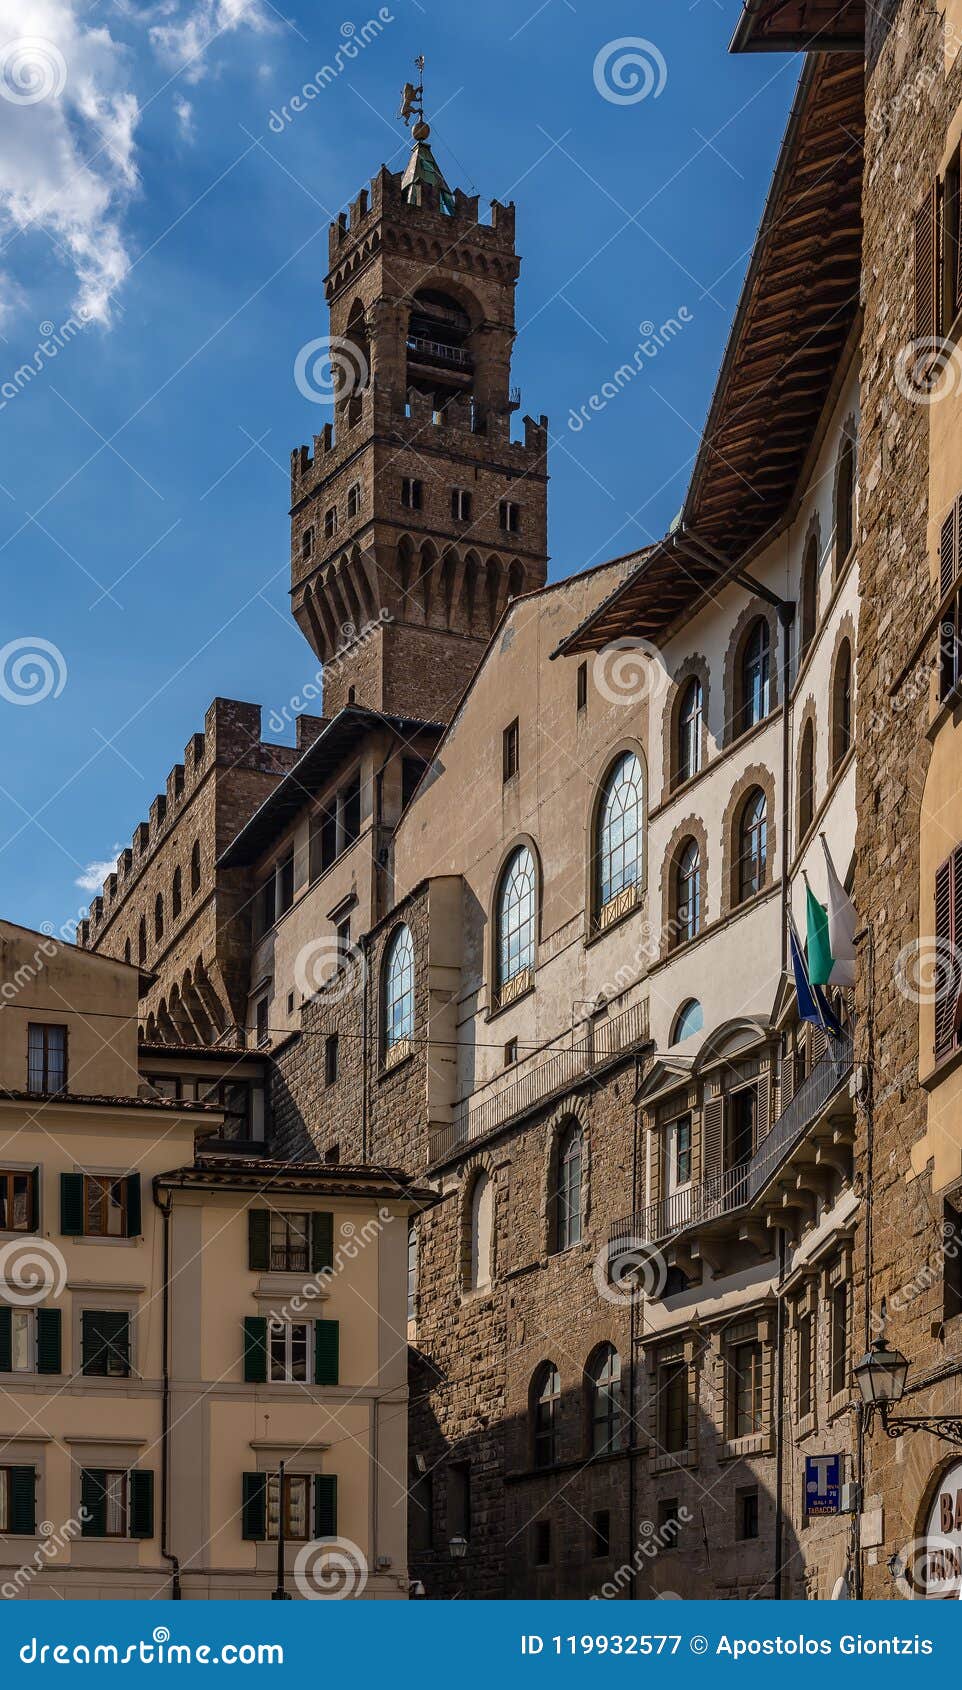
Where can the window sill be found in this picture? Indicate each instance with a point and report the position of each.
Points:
(596, 932)
(668, 1462)
(755, 1443)
(498, 1008)
(395, 1060)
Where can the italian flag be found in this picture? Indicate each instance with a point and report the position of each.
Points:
(831, 931)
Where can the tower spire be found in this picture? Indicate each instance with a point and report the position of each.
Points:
(423, 181)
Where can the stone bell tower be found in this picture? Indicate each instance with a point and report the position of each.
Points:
(417, 517)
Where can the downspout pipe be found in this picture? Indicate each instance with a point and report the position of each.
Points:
(166, 1210)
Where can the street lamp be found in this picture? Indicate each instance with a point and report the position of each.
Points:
(458, 1548)
(881, 1376)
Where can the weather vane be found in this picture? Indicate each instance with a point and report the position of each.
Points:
(412, 102)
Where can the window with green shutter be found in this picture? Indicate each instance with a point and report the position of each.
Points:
(49, 1342)
(141, 1502)
(259, 1240)
(255, 1349)
(6, 1340)
(72, 1205)
(18, 1500)
(105, 1343)
(326, 1348)
(322, 1243)
(100, 1206)
(325, 1505)
(19, 1200)
(254, 1509)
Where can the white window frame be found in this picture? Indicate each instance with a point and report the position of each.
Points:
(274, 1325)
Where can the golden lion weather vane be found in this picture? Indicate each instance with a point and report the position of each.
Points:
(412, 102)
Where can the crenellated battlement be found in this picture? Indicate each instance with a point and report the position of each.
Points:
(231, 739)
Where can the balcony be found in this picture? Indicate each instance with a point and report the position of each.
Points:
(547, 1076)
(438, 351)
(785, 1174)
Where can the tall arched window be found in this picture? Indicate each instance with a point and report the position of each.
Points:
(809, 595)
(568, 1197)
(752, 845)
(480, 1224)
(195, 868)
(620, 819)
(545, 1397)
(399, 989)
(603, 1375)
(175, 894)
(842, 706)
(806, 780)
(142, 941)
(844, 502)
(756, 676)
(688, 891)
(516, 916)
(158, 918)
(688, 757)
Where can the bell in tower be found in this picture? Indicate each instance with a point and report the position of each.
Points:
(416, 518)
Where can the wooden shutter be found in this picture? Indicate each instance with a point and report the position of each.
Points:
(254, 1511)
(93, 1502)
(259, 1240)
(6, 1340)
(927, 266)
(947, 896)
(72, 1205)
(48, 1341)
(763, 1116)
(255, 1349)
(34, 1199)
(325, 1505)
(949, 550)
(140, 1506)
(326, 1348)
(104, 1332)
(23, 1501)
(133, 1206)
(712, 1136)
(322, 1243)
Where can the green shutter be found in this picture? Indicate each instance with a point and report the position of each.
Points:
(141, 1502)
(133, 1206)
(326, 1346)
(72, 1205)
(322, 1243)
(259, 1240)
(6, 1340)
(93, 1502)
(105, 1338)
(48, 1341)
(255, 1349)
(255, 1506)
(23, 1501)
(325, 1505)
(34, 1199)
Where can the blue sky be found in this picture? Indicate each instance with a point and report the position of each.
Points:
(144, 469)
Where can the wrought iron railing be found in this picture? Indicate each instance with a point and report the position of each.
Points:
(547, 1074)
(735, 1188)
(438, 349)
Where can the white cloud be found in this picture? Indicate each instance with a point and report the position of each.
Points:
(91, 878)
(67, 123)
(184, 113)
(183, 43)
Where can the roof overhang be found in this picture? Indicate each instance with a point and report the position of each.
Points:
(791, 335)
(791, 26)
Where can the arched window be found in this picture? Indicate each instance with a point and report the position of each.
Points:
(545, 1397)
(752, 845)
(756, 676)
(516, 917)
(688, 891)
(844, 502)
(620, 818)
(809, 596)
(158, 918)
(603, 1376)
(195, 868)
(842, 706)
(568, 1196)
(689, 1020)
(480, 1226)
(175, 895)
(688, 756)
(142, 941)
(806, 780)
(399, 989)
